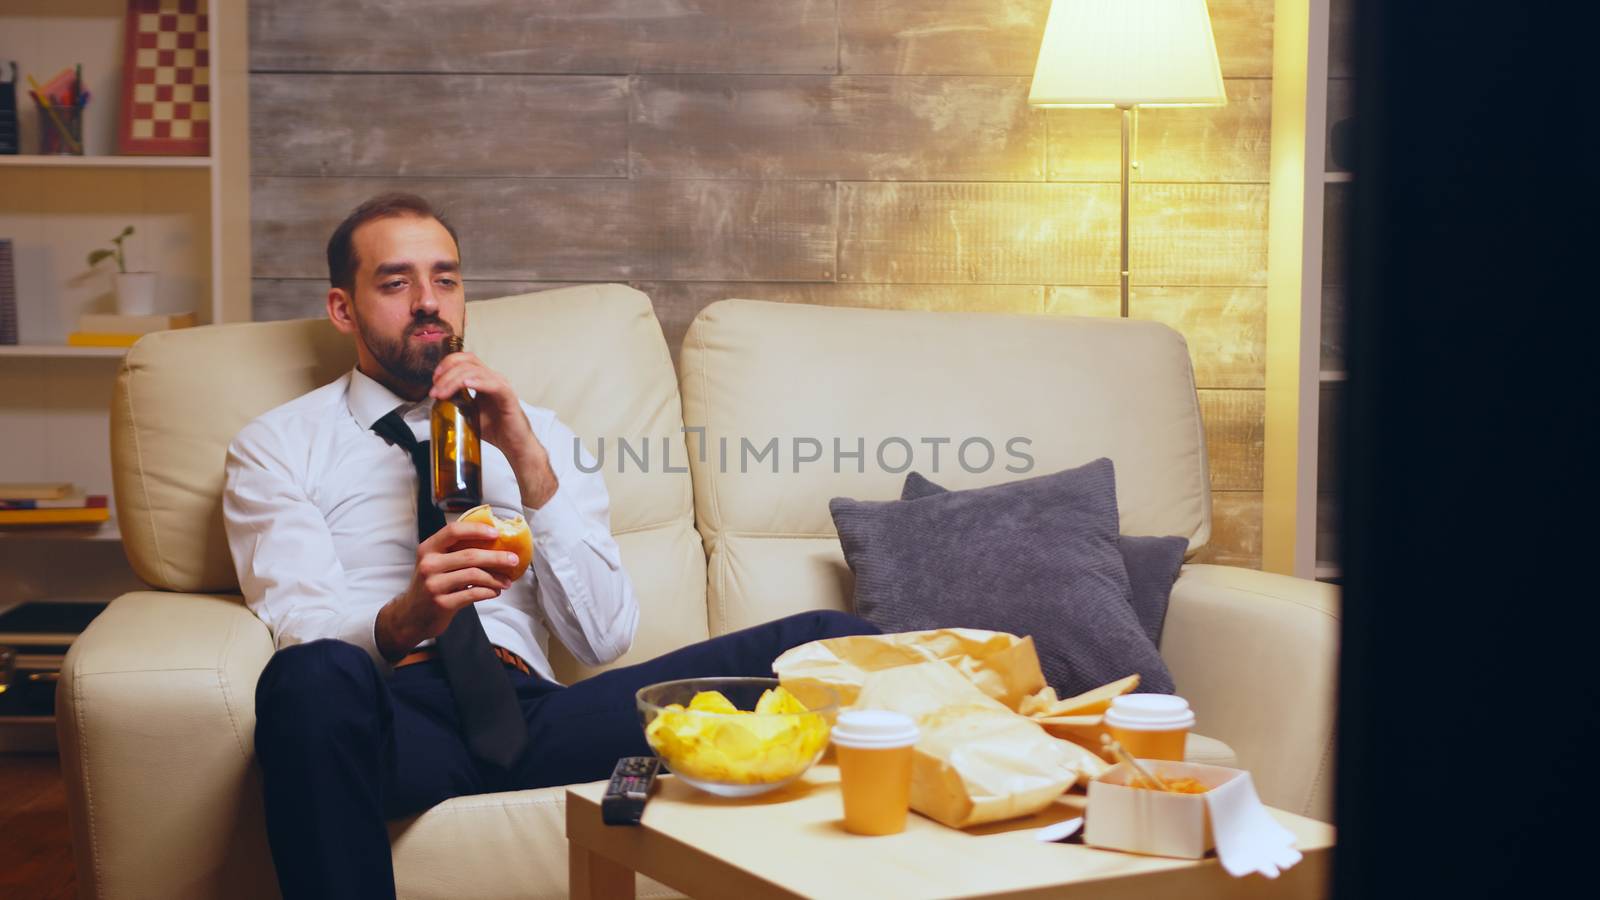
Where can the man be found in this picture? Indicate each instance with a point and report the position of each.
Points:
(405, 651)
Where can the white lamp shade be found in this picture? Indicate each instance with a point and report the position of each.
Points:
(1127, 53)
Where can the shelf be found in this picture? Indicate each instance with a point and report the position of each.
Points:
(1338, 177)
(61, 350)
(1328, 375)
(106, 162)
(101, 531)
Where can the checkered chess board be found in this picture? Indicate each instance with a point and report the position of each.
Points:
(168, 92)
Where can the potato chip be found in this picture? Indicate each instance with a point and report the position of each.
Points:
(712, 701)
(778, 701)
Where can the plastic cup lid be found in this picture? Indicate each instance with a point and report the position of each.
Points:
(1149, 712)
(874, 728)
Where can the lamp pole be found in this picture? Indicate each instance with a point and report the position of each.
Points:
(1127, 118)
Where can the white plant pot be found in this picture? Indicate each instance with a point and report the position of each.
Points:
(136, 293)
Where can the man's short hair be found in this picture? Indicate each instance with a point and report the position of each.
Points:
(342, 261)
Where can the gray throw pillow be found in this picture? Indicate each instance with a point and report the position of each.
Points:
(1152, 564)
(1034, 557)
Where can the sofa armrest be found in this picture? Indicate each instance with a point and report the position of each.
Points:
(1256, 654)
(155, 712)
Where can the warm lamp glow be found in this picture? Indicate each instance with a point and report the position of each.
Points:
(1127, 53)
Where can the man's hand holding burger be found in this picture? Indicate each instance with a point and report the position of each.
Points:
(453, 570)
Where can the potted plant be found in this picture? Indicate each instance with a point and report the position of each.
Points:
(136, 291)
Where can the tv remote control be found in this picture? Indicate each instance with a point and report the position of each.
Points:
(629, 790)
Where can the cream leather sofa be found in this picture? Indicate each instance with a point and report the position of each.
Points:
(156, 704)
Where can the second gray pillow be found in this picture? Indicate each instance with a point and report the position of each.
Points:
(1035, 557)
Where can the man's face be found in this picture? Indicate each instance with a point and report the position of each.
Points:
(407, 298)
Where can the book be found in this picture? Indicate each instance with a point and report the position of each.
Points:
(110, 323)
(101, 339)
(54, 516)
(35, 490)
(74, 500)
(8, 273)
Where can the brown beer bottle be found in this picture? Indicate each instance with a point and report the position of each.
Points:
(457, 453)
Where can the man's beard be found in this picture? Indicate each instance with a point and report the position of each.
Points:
(410, 363)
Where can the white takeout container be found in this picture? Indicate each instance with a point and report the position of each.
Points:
(1158, 823)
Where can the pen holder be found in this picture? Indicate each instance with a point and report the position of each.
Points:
(60, 130)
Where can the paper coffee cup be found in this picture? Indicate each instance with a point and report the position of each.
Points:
(874, 749)
(1150, 726)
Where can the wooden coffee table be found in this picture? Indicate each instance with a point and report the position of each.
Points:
(792, 843)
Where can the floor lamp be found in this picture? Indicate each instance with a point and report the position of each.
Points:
(1124, 54)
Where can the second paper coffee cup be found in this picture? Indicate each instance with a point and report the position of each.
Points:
(874, 749)
(1150, 726)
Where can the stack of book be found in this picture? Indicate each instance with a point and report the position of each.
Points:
(8, 288)
(108, 330)
(54, 503)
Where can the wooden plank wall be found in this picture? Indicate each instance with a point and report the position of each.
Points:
(853, 152)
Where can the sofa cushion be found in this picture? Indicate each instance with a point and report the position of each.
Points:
(1074, 388)
(1033, 557)
(1152, 564)
(506, 846)
(758, 578)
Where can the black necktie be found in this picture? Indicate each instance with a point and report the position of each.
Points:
(491, 719)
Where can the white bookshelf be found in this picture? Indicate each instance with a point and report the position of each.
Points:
(191, 220)
(190, 213)
(101, 531)
(61, 351)
(104, 161)
(1305, 370)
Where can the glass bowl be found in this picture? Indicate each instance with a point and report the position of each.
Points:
(735, 754)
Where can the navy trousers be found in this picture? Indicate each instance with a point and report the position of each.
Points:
(342, 748)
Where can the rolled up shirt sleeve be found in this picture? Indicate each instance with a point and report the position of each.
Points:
(283, 552)
(584, 591)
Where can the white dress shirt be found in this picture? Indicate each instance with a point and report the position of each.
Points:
(321, 518)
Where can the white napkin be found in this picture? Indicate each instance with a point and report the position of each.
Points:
(1060, 831)
(1248, 838)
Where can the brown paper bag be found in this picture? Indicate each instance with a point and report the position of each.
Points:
(978, 760)
(1077, 719)
(1000, 665)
